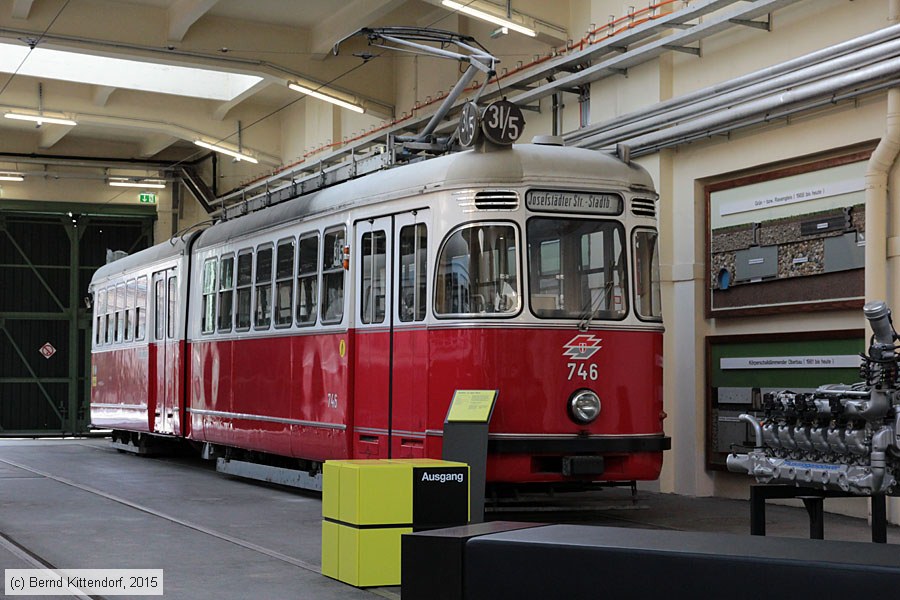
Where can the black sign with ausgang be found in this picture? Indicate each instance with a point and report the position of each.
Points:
(440, 497)
(576, 202)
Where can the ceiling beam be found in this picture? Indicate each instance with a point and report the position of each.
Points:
(184, 13)
(101, 94)
(349, 19)
(21, 9)
(51, 134)
(223, 108)
(165, 128)
(155, 144)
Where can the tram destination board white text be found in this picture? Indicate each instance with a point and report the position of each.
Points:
(583, 202)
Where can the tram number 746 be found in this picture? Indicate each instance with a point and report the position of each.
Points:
(579, 370)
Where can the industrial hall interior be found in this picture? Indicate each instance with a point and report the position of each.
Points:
(607, 265)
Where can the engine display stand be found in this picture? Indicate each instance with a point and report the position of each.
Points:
(813, 500)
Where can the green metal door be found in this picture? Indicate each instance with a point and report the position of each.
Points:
(48, 253)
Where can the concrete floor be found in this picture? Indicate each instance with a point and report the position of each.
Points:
(80, 504)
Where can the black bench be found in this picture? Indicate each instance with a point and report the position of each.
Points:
(571, 561)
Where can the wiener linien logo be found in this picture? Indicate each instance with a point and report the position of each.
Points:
(582, 347)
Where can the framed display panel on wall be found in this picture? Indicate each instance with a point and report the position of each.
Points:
(741, 370)
(787, 238)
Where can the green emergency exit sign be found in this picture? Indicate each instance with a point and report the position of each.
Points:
(147, 198)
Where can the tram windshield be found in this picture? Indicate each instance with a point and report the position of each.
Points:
(477, 273)
(577, 269)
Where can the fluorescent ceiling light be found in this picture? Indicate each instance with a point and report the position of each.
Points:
(485, 16)
(137, 183)
(12, 177)
(228, 151)
(40, 119)
(311, 92)
(124, 73)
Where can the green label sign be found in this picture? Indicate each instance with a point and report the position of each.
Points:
(147, 198)
(472, 406)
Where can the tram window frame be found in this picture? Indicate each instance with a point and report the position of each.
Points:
(120, 313)
(209, 286)
(243, 291)
(262, 288)
(225, 294)
(284, 281)
(99, 313)
(140, 307)
(110, 320)
(439, 288)
(330, 274)
(536, 272)
(159, 306)
(172, 306)
(655, 291)
(413, 276)
(308, 272)
(373, 280)
(129, 309)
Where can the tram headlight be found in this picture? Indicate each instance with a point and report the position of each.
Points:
(584, 406)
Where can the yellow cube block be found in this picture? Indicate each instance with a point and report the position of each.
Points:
(330, 541)
(367, 505)
(370, 557)
(375, 493)
(331, 489)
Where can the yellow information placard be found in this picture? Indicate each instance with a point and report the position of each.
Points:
(472, 406)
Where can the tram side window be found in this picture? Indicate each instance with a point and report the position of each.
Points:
(284, 283)
(647, 302)
(477, 273)
(108, 320)
(208, 323)
(263, 316)
(141, 308)
(333, 276)
(576, 269)
(244, 283)
(226, 293)
(173, 306)
(413, 272)
(100, 312)
(110, 317)
(160, 312)
(374, 252)
(120, 312)
(129, 309)
(308, 280)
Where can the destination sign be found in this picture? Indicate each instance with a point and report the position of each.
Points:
(581, 202)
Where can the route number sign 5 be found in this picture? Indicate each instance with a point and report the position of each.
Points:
(502, 122)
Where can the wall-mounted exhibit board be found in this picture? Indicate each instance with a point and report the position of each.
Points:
(742, 369)
(786, 236)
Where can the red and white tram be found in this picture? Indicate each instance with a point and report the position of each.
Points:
(339, 324)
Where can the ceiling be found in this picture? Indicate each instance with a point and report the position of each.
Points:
(279, 41)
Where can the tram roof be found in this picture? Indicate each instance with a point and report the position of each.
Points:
(529, 164)
(158, 253)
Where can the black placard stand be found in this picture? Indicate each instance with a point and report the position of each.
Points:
(466, 440)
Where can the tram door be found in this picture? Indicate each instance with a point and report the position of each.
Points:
(391, 348)
(165, 382)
